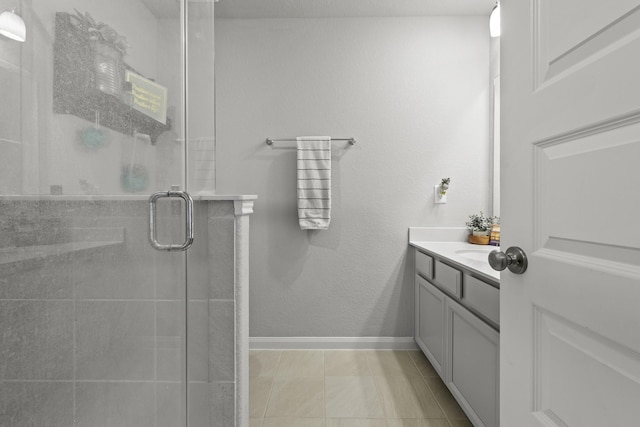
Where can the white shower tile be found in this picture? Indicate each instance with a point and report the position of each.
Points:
(170, 273)
(222, 259)
(50, 278)
(115, 340)
(36, 340)
(200, 405)
(120, 272)
(169, 404)
(199, 255)
(107, 404)
(170, 325)
(223, 404)
(37, 404)
(198, 341)
(221, 209)
(170, 329)
(221, 340)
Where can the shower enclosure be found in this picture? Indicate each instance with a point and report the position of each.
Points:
(103, 105)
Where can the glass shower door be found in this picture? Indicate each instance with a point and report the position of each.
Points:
(93, 121)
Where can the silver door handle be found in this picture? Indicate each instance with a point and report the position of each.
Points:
(188, 201)
(514, 258)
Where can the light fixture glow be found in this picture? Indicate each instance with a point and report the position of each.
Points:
(12, 26)
(494, 21)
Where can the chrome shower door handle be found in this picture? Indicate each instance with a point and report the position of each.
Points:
(188, 201)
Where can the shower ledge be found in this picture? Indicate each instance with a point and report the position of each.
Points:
(83, 240)
(121, 197)
(21, 255)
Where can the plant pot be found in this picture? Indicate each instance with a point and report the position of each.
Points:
(479, 240)
(481, 233)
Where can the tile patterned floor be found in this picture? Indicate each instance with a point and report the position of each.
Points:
(345, 388)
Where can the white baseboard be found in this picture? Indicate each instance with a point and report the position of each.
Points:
(328, 343)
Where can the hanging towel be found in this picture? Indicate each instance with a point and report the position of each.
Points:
(314, 182)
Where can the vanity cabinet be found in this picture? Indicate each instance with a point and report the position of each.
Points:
(456, 326)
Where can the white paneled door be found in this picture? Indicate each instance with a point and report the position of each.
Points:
(570, 325)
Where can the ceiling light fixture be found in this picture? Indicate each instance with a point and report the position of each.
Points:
(12, 26)
(494, 21)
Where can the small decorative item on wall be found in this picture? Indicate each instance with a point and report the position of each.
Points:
(89, 75)
(444, 186)
(148, 97)
(480, 226)
(440, 193)
(110, 48)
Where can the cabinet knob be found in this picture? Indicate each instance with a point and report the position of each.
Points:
(514, 258)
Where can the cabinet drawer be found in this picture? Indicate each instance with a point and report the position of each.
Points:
(483, 297)
(448, 278)
(424, 265)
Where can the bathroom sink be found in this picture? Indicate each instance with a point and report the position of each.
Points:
(474, 255)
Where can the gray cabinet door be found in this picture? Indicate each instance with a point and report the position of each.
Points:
(430, 322)
(473, 365)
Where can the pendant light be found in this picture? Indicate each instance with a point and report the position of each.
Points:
(12, 26)
(494, 21)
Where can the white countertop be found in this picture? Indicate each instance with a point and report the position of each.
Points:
(465, 255)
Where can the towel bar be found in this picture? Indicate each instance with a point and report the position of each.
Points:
(270, 141)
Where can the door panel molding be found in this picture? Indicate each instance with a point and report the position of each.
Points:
(564, 352)
(589, 170)
(560, 50)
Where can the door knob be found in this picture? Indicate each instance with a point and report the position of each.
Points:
(514, 258)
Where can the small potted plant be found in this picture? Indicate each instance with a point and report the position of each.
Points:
(480, 227)
(444, 186)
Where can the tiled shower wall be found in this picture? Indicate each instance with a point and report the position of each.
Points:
(91, 331)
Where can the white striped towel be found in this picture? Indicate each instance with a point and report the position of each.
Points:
(314, 182)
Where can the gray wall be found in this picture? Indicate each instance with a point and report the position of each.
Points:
(415, 93)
